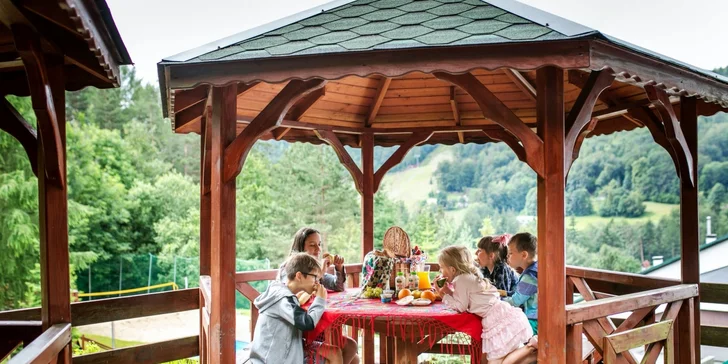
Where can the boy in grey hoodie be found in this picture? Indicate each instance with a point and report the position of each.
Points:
(278, 332)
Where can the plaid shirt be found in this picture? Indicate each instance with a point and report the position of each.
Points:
(502, 277)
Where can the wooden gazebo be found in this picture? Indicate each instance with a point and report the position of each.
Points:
(405, 73)
(46, 48)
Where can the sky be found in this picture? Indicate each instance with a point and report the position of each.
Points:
(690, 31)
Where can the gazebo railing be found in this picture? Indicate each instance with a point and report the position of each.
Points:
(43, 345)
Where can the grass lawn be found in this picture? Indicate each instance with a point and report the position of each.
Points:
(413, 185)
(653, 211)
(107, 341)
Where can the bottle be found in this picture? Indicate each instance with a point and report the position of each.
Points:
(413, 282)
(400, 282)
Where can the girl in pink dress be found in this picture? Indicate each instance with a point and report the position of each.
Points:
(505, 328)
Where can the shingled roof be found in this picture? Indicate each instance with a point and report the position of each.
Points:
(361, 25)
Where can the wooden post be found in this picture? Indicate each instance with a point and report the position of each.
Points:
(367, 193)
(222, 221)
(688, 336)
(205, 200)
(551, 234)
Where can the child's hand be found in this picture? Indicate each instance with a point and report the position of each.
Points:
(445, 289)
(321, 291)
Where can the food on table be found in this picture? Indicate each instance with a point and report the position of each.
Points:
(441, 282)
(503, 293)
(370, 292)
(429, 295)
(404, 293)
(387, 296)
(421, 302)
(416, 294)
(424, 280)
(404, 301)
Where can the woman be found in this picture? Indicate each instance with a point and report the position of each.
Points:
(308, 240)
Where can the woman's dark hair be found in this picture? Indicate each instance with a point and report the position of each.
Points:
(490, 246)
(299, 240)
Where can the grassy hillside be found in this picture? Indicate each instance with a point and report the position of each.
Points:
(414, 185)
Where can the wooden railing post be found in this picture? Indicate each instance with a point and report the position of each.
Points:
(551, 234)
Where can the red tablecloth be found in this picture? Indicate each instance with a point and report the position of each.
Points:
(405, 322)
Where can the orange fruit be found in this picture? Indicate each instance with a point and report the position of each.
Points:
(404, 293)
(429, 295)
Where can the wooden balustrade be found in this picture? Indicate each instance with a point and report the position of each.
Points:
(46, 347)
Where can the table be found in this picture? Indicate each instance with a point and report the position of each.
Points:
(414, 329)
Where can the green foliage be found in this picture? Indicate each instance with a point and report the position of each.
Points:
(578, 203)
(617, 202)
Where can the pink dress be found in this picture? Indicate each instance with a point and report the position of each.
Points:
(505, 328)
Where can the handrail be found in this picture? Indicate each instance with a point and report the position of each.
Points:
(119, 308)
(145, 354)
(590, 310)
(46, 347)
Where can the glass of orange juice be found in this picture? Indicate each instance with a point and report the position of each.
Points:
(424, 278)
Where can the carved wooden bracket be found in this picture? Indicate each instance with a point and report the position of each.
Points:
(673, 132)
(579, 122)
(495, 110)
(14, 124)
(397, 156)
(331, 139)
(269, 118)
(27, 42)
(653, 124)
(510, 140)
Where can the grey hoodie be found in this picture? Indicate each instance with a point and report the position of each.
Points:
(278, 332)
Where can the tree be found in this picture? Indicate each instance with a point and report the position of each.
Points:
(614, 259)
(578, 203)
(717, 197)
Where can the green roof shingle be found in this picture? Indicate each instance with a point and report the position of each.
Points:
(388, 24)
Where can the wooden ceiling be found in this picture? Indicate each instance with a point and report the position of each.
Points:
(393, 108)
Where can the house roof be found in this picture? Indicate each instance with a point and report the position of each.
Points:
(672, 260)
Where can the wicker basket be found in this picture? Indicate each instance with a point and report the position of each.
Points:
(397, 241)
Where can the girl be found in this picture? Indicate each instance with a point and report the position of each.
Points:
(308, 240)
(492, 257)
(505, 328)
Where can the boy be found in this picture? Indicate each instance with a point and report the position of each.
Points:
(282, 319)
(522, 254)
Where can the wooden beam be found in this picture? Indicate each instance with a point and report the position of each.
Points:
(145, 354)
(305, 103)
(205, 198)
(222, 222)
(673, 131)
(392, 63)
(279, 133)
(397, 156)
(331, 139)
(641, 336)
(603, 53)
(188, 115)
(47, 348)
(688, 338)
(580, 122)
(14, 124)
(378, 98)
(495, 110)
(27, 43)
(522, 83)
(269, 118)
(580, 79)
(367, 197)
(184, 99)
(456, 113)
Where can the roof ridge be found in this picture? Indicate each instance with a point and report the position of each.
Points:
(562, 25)
(674, 259)
(254, 32)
